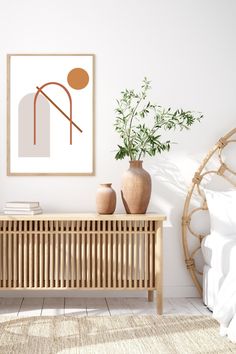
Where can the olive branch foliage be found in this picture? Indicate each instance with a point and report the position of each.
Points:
(140, 123)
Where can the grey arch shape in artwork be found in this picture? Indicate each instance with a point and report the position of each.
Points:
(26, 147)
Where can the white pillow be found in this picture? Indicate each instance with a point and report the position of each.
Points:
(222, 209)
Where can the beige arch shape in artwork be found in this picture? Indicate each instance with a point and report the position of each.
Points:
(199, 175)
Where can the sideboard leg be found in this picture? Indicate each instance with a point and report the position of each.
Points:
(159, 303)
(150, 295)
(159, 268)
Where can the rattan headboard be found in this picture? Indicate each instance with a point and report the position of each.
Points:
(222, 170)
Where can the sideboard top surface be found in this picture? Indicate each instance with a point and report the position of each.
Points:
(83, 216)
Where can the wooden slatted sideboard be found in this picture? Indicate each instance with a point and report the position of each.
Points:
(82, 251)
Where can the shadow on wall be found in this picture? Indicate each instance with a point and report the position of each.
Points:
(169, 188)
(172, 180)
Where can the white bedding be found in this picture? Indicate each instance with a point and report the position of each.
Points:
(219, 280)
(219, 252)
(212, 281)
(225, 307)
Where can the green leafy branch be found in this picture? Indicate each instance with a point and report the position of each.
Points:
(140, 122)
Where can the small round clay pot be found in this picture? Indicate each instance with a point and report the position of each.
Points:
(105, 199)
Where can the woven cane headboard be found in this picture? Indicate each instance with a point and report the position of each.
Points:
(204, 171)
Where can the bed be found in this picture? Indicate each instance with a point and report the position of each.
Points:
(210, 254)
(219, 254)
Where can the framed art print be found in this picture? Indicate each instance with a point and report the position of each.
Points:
(50, 114)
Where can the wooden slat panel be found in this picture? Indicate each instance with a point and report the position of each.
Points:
(119, 255)
(141, 255)
(67, 253)
(94, 258)
(25, 254)
(114, 254)
(41, 258)
(109, 252)
(88, 253)
(125, 252)
(104, 253)
(83, 254)
(72, 254)
(104, 268)
(30, 253)
(46, 254)
(135, 236)
(4, 253)
(36, 254)
(62, 253)
(20, 275)
(10, 255)
(15, 255)
(78, 254)
(51, 253)
(130, 254)
(99, 269)
(57, 251)
(146, 254)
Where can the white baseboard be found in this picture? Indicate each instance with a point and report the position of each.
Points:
(169, 291)
(181, 291)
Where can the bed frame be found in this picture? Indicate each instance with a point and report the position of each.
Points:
(203, 171)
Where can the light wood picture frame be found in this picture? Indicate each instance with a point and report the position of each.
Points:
(50, 114)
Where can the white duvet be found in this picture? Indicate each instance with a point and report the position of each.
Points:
(225, 308)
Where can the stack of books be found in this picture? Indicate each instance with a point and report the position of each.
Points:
(22, 208)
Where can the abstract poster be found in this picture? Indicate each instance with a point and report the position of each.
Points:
(50, 114)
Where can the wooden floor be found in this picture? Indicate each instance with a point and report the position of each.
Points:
(23, 307)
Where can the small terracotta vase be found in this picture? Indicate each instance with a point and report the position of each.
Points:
(136, 188)
(105, 199)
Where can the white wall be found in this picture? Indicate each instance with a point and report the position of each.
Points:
(186, 47)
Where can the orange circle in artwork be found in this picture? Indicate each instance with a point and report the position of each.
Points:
(78, 78)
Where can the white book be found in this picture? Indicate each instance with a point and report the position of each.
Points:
(25, 205)
(19, 212)
(21, 209)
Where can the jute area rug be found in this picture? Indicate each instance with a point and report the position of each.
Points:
(118, 334)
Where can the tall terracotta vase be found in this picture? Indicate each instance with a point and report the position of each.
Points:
(136, 188)
(105, 199)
